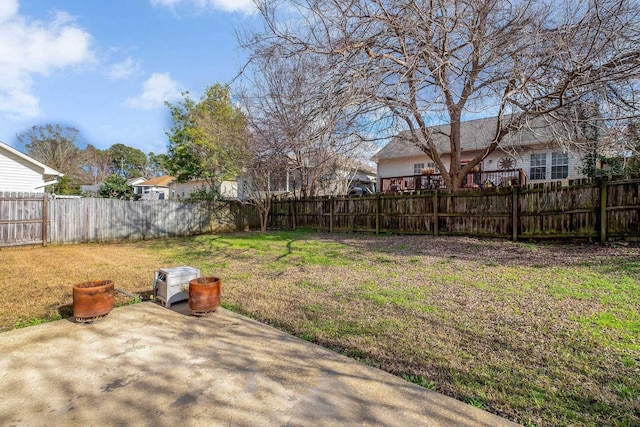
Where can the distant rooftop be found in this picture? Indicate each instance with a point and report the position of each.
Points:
(160, 181)
(475, 136)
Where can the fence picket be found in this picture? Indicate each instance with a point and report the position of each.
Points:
(28, 219)
(584, 210)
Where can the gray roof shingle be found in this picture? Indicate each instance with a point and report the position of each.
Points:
(475, 136)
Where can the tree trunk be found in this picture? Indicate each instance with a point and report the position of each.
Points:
(456, 181)
(264, 214)
(263, 221)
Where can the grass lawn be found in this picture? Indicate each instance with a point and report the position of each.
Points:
(540, 334)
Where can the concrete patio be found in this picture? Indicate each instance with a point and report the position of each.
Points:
(146, 365)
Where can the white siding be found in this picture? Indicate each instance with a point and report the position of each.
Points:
(153, 193)
(229, 189)
(404, 166)
(399, 167)
(181, 190)
(16, 174)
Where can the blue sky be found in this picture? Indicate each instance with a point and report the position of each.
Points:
(106, 67)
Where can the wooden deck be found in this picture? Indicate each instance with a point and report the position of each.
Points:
(479, 179)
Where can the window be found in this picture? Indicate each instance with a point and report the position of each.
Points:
(417, 168)
(559, 165)
(538, 166)
(433, 166)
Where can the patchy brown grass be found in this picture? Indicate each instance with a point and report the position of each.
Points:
(542, 334)
(37, 282)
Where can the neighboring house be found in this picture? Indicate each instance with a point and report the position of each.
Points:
(183, 190)
(339, 179)
(155, 188)
(19, 172)
(362, 176)
(347, 175)
(333, 175)
(132, 182)
(529, 155)
(230, 190)
(91, 190)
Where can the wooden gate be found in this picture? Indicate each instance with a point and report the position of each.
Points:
(24, 218)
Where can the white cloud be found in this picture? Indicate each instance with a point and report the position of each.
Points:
(155, 91)
(8, 9)
(246, 6)
(29, 48)
(124, 69)
(166, 3)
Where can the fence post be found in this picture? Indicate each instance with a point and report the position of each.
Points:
(603, 211)
(378, 204)
(514, 213)
(45, 219)
(331, 213)
(293, 214)
(435, 213)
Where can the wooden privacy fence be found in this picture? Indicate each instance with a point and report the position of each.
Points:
(23, 218)
(102, 220)
(27, 219)
(592, 210)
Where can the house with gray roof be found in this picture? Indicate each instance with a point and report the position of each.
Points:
(532, 154)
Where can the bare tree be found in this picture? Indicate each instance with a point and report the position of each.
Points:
(98, 164)
(56, 146)
(425, 62)
(289, 101)
(266, 168)
(53, 145)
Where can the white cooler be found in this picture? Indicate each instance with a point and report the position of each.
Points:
(169, 283)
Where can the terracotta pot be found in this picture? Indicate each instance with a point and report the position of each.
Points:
(92, 300)
(204, 295)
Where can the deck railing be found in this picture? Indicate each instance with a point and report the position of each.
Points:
(434, 181)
